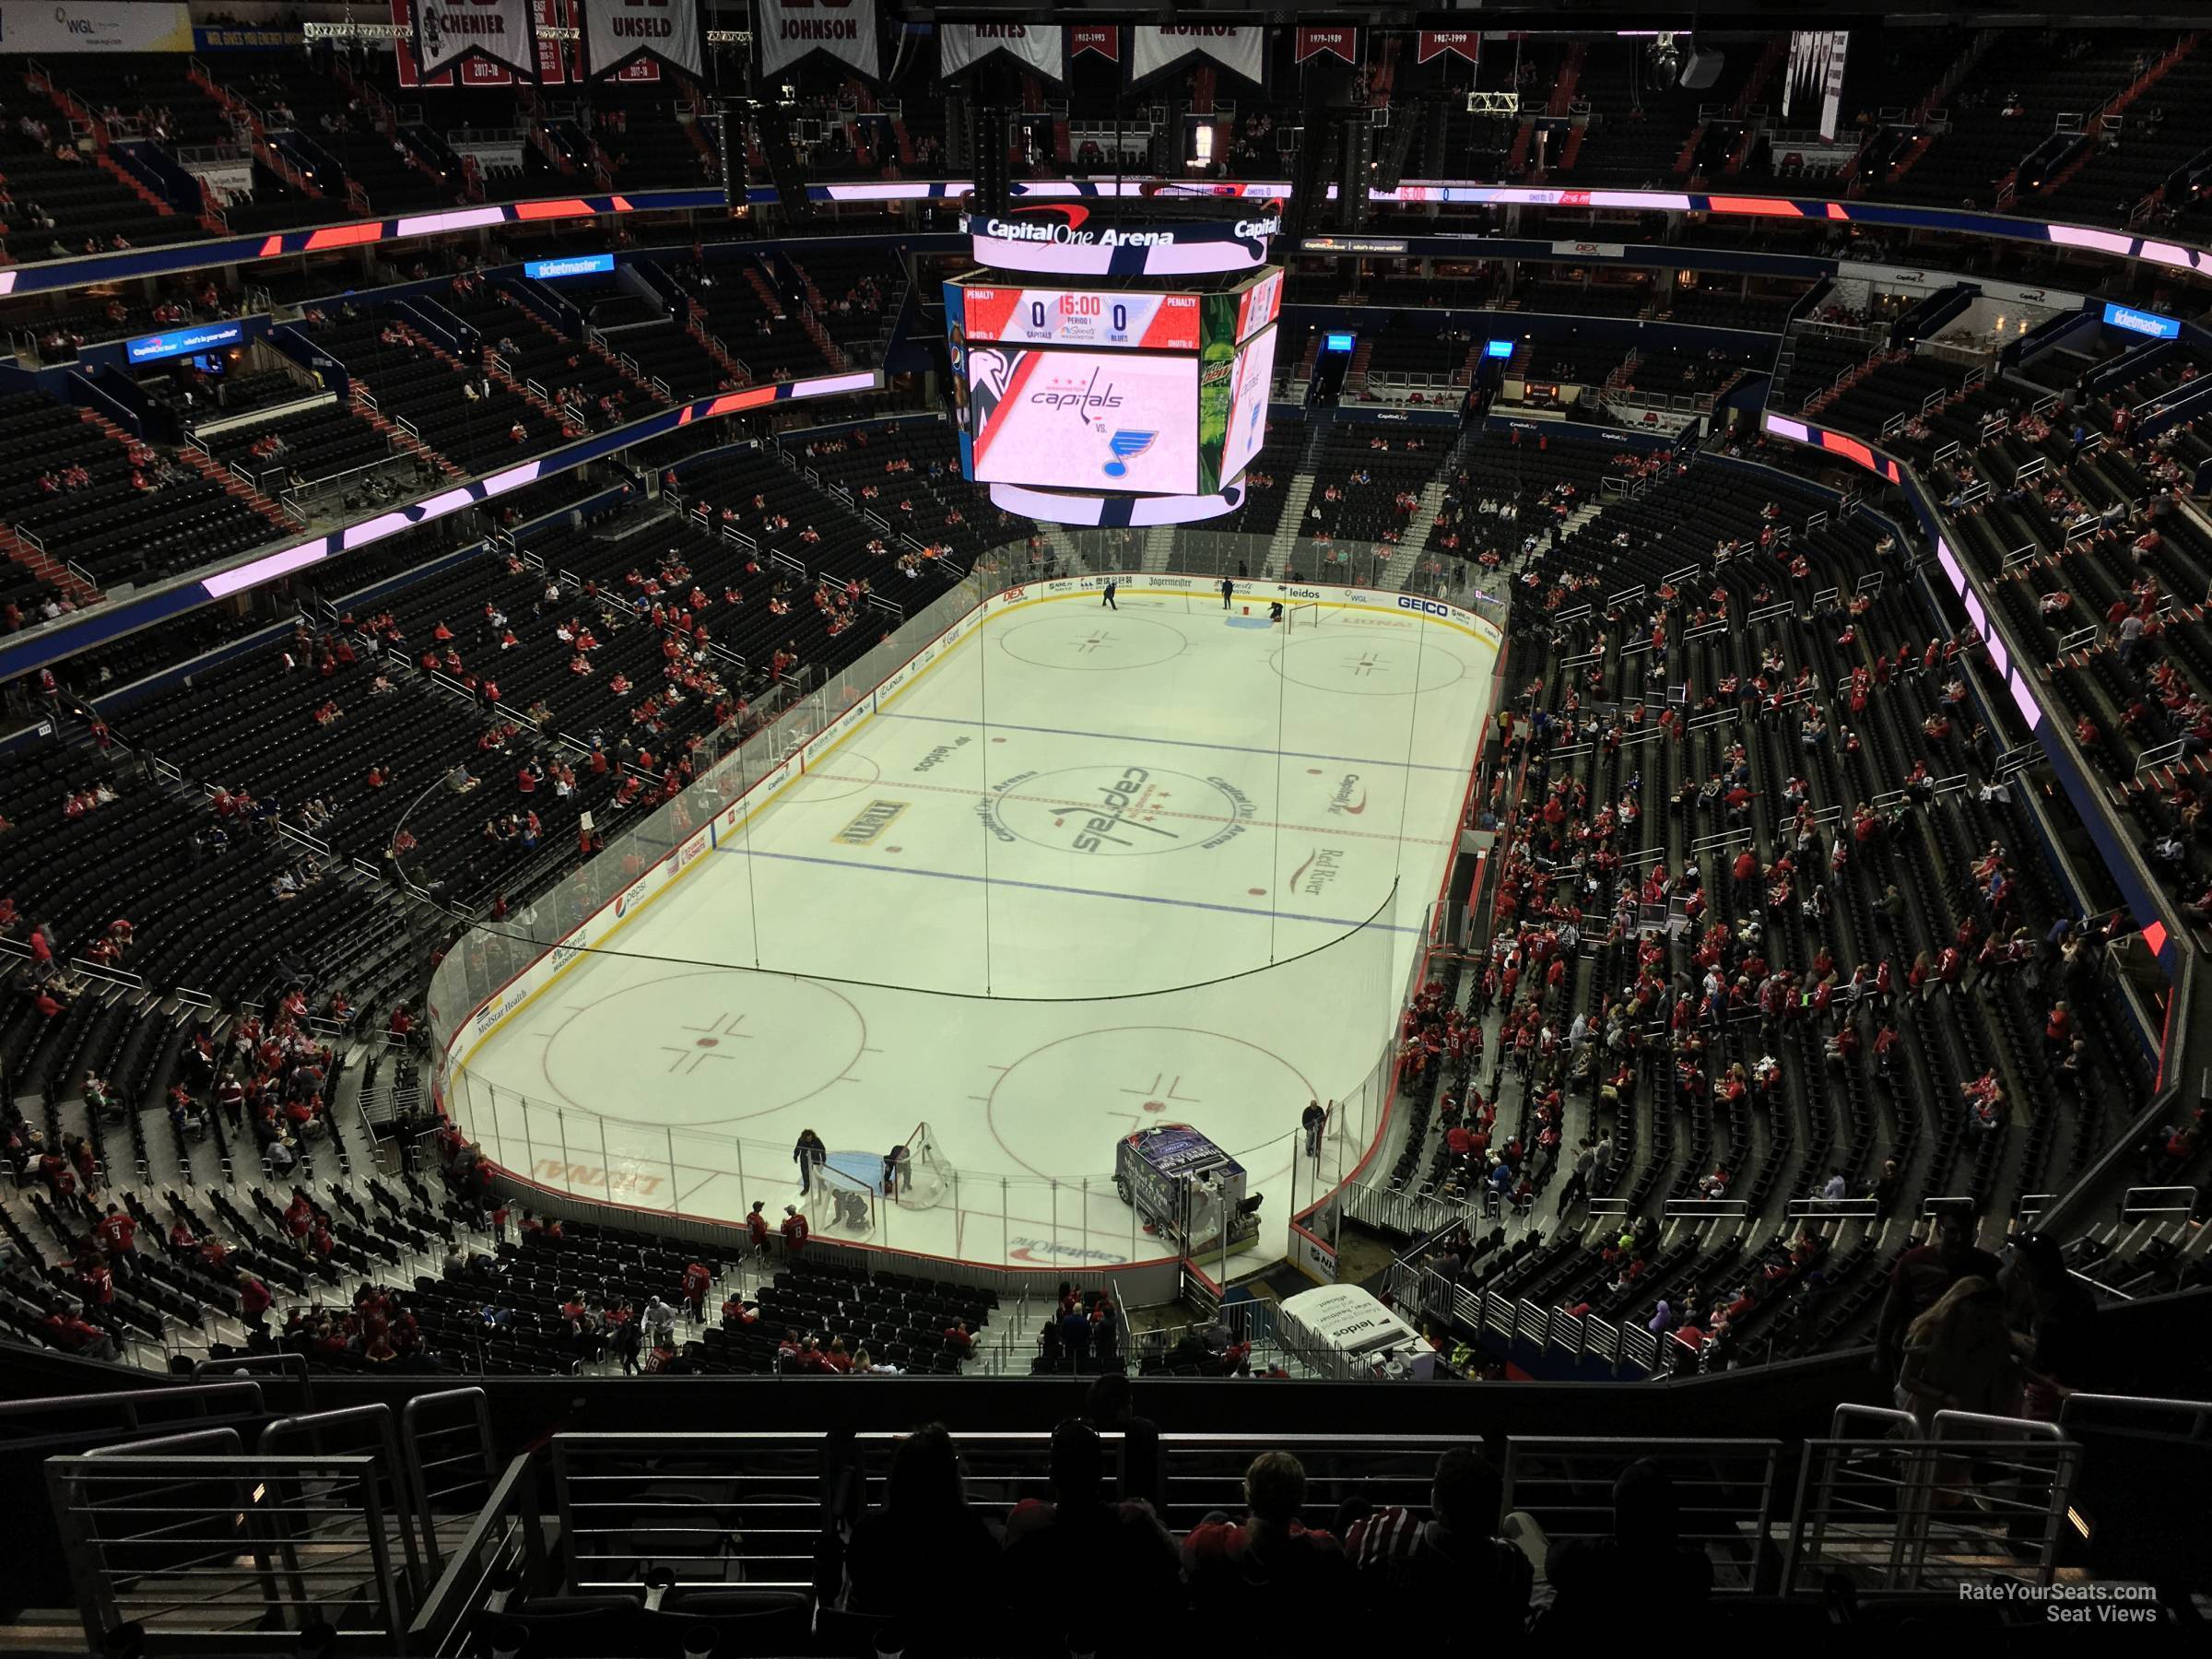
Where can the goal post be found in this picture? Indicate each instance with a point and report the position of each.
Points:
(839, 1205)
(921, 1177)
(1297, 617)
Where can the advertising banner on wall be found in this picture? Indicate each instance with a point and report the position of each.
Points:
(112, 26)
(789, 30)
(1034, 45)
(1239, 48)
(447, 32)
(616, 32)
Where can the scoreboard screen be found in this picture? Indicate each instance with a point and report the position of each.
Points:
(1085, 420)
(1032, 316)
(1110, 389)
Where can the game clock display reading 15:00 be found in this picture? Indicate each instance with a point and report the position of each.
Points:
(1028, 316)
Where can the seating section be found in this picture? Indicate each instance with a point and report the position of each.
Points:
(1367, 481)
(60, 201)
(82, 491)
(1749, 1091)
(414, 380)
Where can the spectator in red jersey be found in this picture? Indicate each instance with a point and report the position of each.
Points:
(1267, 1576)
(696, 1280)
(756, 1228)
(253, 1300)
(793, 1230)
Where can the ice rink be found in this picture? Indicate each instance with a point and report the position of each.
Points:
(1088, 871)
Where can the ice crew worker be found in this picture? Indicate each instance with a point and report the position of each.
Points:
(1229, 587)
(1312, 1118)
(1108, 601)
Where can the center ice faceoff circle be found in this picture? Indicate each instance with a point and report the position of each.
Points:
(709, 1046)
(1116, 810)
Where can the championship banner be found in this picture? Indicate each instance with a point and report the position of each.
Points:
(449, 32)
(616, 32)
(477, 73)
(1035, 46)
(1337, 42)
(1458, 43)
(789, 30)
(1816, 66)
(1241, 48)
(1105, 38)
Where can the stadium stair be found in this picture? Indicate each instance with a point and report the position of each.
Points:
(1291, 525)
(405, 440)
(208, 467)
(1571, 71)
(2143, 83)
(129, 180)
(48, 568)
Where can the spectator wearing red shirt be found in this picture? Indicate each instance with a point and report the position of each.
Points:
(253, 1300)
(696, 1280)
(756, 1228)
(1238, 1571)
(793, 1230)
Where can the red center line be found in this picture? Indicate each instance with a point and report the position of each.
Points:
(1205, 817)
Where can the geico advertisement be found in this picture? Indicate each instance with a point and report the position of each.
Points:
(1082, 420)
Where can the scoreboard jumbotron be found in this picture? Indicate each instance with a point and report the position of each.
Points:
(1119, 397)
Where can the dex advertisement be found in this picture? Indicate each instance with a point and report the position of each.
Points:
(1046, 316)
(1083, 420)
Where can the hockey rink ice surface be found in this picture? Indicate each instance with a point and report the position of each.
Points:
(1090, 870)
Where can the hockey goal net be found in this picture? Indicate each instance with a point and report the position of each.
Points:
(924, 1179)
(838, 1205)
(1298, 617)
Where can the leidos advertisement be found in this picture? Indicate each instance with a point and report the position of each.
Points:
(1083, 420)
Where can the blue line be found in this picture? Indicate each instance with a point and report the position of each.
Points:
(1046, 886)
(1234, 749)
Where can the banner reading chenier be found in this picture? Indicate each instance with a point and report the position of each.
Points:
(1241, 48)
(1035, 46)
(616, 33)
(789, 30)
(448, 33)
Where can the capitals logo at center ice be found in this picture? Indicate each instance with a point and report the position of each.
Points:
(1078, 419)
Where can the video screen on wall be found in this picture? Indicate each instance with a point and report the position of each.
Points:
(1247, 427)
(1124, 420)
